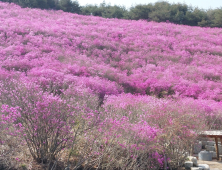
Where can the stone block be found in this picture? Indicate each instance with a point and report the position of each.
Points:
(210, 148)
(211, 143)
(204, 143)
(220, 148)
(214, 154)
(197, 147)
(205, 156)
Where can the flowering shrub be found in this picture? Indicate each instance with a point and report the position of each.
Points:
(47, 124)
(124, 145)
(178, 121)
(42, 120)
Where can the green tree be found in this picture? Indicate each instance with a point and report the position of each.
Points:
(139, 12)
(26, 3)
(195, 16)
(69, 6)
(51, 4)
(217, 21)
(76, 8)
(161, 12)
(91, 10)
(115, 11)
(65, 5)
(42, 4)
(177, 13)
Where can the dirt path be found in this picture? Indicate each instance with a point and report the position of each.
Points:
(214, 165)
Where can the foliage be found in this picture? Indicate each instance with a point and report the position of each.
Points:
(104, 10)
(65, 5)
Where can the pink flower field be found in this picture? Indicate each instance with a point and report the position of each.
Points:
(105, 93)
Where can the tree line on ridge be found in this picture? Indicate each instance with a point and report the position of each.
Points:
(160, 11)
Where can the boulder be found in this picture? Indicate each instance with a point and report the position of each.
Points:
(204, 166)
(188, 164)
(196, 168)
(193, 159)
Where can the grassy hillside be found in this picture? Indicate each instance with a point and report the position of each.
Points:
(109, 93)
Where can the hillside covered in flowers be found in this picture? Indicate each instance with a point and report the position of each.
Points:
(114, 91)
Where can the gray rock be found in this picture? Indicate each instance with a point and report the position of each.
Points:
(204, 166)
(205, 156)
(196, 168)
(188, 164)
(193, 159)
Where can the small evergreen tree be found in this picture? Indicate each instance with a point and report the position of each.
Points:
(217, 21)
(69, 6)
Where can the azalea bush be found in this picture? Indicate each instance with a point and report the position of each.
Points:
(178, 121)
(46, 123)
(42, 120)
(117, 143)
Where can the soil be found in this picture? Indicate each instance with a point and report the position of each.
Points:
(214, 164)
